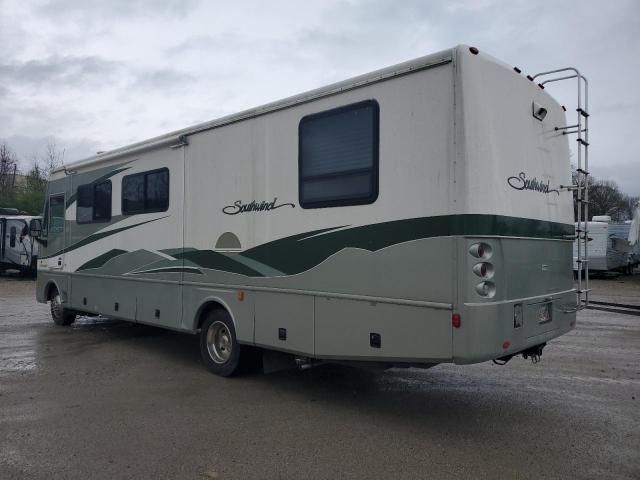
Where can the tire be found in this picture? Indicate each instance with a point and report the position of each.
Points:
(60, 315)
(219, 348)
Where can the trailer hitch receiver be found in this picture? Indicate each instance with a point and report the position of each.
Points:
(534, 353)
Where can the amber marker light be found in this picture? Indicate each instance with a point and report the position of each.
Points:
(240, 295)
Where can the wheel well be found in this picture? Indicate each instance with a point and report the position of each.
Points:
(205, 309)
(51, 286)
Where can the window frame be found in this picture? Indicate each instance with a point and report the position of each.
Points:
(144, 209)
(93, 186)
(374, 169)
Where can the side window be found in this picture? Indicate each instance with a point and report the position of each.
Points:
(102, 202)
(338, 156)
(56, 214)
(84, 206)
(145, 192)
(132, 194)
(157, 195)
(12, 237)
(94, 202)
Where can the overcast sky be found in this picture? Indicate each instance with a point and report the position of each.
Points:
(99, 75)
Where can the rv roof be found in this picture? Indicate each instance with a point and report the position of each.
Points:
(421, 63)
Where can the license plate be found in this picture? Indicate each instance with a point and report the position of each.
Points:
(544, 313)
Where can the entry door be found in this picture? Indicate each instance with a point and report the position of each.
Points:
(55, 232)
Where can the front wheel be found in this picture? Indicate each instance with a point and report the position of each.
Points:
(59, 314)
(220, 350)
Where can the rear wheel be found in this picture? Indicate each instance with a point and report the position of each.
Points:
(60, 315)
(220, 350)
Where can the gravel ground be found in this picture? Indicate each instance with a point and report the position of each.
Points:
(107, 399)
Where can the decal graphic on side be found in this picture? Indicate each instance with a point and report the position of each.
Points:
(521, 182)
(253, 206)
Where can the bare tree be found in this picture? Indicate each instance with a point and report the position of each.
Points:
(8, 170)
(605, 198)
(53, 157)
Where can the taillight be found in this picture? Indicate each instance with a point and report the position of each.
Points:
(483, 269)
(481, 250)
(486, 289)
(456, 321)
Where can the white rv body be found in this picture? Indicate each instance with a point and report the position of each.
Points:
(460, 160)
(18, 251)
(609, 249)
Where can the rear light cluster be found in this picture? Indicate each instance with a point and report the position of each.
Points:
(483, 269)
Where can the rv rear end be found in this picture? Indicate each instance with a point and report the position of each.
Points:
(515, 289)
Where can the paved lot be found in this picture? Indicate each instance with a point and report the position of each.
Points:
(106, 399)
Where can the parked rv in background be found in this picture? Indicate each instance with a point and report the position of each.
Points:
(18, 250)
(613, 247)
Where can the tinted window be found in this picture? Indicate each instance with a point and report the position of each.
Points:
(12, 236)
(56, 214)
(145, 192)
(338, 156)
(157, 197)
(133, 193)
(84, 207)
(102, 201)
(94, 202)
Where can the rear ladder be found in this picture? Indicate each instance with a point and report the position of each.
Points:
(581, 175)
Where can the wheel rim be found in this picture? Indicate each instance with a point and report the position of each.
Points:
(219, 342)
(56, 306)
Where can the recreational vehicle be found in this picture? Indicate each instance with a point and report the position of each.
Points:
(411, 216)
(18, 251)
(609, 247)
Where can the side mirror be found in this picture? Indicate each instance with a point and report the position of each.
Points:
(35, 227)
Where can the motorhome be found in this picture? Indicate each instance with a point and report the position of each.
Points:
(414, 215)
(18, 251)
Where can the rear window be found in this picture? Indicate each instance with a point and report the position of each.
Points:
(338, 156)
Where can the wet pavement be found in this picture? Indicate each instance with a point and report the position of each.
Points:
(108, 399)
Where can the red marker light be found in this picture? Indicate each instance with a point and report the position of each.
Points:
(474, 50)
(506, 344)
(456, 320)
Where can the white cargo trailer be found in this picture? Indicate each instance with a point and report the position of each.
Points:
(411, 216)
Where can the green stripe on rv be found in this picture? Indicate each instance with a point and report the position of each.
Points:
(296, 254)
(99, 236)
(301, 252)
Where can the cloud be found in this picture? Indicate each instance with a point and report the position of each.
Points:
(624, 174)
(98, 11)
(162, 79)
(207, 43)
(54, 70)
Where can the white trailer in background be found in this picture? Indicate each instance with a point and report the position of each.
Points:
(18, 250)
(610, 246)
(414, 215)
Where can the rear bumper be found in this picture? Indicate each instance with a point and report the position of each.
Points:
(488, 330)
